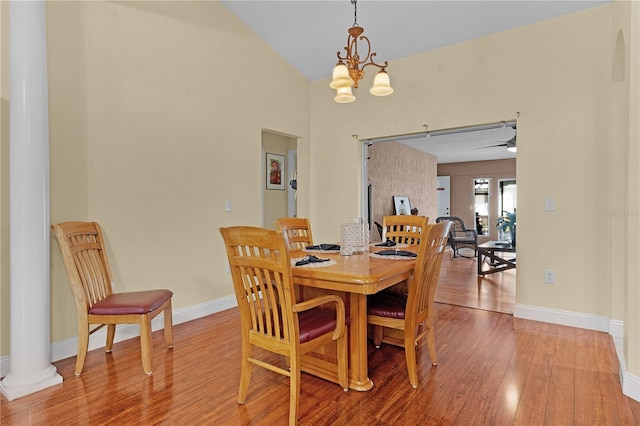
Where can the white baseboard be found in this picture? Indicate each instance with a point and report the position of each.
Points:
(68, 348)
(630, 383)
(555, 316)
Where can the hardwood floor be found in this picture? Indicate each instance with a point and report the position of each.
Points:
(493, 370)
(460, 285)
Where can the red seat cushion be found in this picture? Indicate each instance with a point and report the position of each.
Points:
(387, 304)
(134, 302)
(315, 322)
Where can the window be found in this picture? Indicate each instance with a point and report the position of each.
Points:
(508, 195)
(481, 205)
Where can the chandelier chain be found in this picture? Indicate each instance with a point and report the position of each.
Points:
(355, 12)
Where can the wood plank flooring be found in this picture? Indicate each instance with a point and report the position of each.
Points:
(493, 370)
(460, 285)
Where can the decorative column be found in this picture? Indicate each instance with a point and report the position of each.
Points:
(30, 368)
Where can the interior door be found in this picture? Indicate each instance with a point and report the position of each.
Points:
(443, 184)
(292, 167)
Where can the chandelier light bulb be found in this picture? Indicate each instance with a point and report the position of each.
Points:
(344, 95)
(341, 77)
(381, 84)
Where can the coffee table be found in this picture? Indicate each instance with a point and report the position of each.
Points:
(498, 261)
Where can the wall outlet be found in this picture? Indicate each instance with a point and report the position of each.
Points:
(549, 276)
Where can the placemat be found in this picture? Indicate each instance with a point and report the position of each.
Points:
(391, 257)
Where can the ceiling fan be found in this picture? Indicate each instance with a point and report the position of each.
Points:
(510, 144)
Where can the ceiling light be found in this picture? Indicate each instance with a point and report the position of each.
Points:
(344, 95)
(350, 68)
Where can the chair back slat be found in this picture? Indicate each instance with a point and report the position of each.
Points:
(403, 229)
(259, 262)
(297, 231)
(86, 261)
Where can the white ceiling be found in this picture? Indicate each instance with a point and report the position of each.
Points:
(309, 33)
(464, 145)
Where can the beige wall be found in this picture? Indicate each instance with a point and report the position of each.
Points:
(627, 20)
(156, 116)
(396, 169)
(554, 77)
(4, 178)
(462, 200)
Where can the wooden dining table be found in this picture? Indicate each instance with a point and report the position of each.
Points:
(352, 278)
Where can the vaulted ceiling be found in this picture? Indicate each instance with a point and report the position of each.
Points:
(309, 33)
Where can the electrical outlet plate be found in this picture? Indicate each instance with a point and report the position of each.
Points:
(549, 276)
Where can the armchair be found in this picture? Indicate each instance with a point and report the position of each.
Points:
(460, 236)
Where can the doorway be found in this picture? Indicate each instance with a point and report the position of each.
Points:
(443, 186)
(278, 200)
(466, 155)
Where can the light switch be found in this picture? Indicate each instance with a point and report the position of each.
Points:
(227, 206)
(549, 204)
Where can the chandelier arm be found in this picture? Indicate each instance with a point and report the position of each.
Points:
(347, 49)
(381, 66)
(364, 38)
(352, 52)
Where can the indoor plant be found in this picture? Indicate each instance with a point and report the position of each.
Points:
(507, 224)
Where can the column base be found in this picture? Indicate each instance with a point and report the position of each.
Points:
(15, 388)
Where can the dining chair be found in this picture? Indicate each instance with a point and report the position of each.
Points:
(412, 313)
(89, 274)
(403, 229)
(271, 319)
(297, 230)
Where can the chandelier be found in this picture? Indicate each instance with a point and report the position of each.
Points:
(350, 68)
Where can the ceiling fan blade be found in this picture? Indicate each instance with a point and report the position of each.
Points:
(491, 146)
(510, 143)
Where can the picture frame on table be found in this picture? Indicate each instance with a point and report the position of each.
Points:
(275, 171)
(401, 204)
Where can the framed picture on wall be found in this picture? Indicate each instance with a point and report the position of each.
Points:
(275, 171)
(401, 204)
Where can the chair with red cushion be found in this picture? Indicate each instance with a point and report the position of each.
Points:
(85, 260)
(271, 319)
(412, 313)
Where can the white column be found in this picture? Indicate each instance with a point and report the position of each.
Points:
(30, 368)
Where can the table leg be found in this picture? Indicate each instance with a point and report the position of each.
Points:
(358, 363)
(325, 367)
(497, 264)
